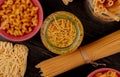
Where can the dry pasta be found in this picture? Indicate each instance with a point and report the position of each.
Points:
(108, 7)
(17, 15)
(66, 2)
(61, 32)
(107, 74)
(13, 59)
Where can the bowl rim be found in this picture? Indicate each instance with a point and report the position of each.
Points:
(102, 70)
(34, 31)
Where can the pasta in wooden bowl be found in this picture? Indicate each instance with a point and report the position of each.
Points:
(105, 10)
(62, 32)
(20, 19)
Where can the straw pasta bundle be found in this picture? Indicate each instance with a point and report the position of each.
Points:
(109, 7)
(103, 47)
(13, 59)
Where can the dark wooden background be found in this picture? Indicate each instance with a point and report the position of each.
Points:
(93, 30)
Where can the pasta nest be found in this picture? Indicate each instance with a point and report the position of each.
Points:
(13, 59)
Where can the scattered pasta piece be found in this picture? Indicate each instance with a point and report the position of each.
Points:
(18, 17)
(66, 2)
(13, 59)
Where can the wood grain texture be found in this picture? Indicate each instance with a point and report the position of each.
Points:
(93, 30)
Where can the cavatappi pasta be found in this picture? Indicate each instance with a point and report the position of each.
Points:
(110, 8)
(61, 33)
(18, 17)
(13, 59)
(106, 74)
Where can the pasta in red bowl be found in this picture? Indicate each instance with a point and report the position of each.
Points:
(105, 72)
(20, 20)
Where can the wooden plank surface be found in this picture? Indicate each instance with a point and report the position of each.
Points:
(93, 29)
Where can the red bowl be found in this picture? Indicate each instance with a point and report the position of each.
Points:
(102, 70)
(4, 34)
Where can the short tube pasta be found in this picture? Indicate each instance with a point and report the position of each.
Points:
(61, 32)
(108, 7)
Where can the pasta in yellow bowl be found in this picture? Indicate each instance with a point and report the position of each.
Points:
(62, 32)
(20, 18)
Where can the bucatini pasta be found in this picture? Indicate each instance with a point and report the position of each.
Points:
(61, 32)
(13, 59)
(18, 17)
(107, 74)
(108, 7)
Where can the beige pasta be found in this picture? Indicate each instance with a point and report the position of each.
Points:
(13, 59)
(66, 2)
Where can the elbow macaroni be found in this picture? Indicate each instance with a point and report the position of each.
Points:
(18, 17)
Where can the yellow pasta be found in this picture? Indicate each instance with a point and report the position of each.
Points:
(110, 3)
(61, 33)
(106, 74)
(17, 16)
(23, 1)
(66, 2)
(109, 7)
(116, 6)
(101, 1)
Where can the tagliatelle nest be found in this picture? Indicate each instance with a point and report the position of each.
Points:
(13, 59)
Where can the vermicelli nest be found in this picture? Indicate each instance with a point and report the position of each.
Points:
(13, 59)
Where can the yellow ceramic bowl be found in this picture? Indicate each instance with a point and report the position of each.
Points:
(62, 32)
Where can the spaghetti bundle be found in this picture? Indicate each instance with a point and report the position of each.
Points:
(110, 8)
(99, 49)
(13, 59)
